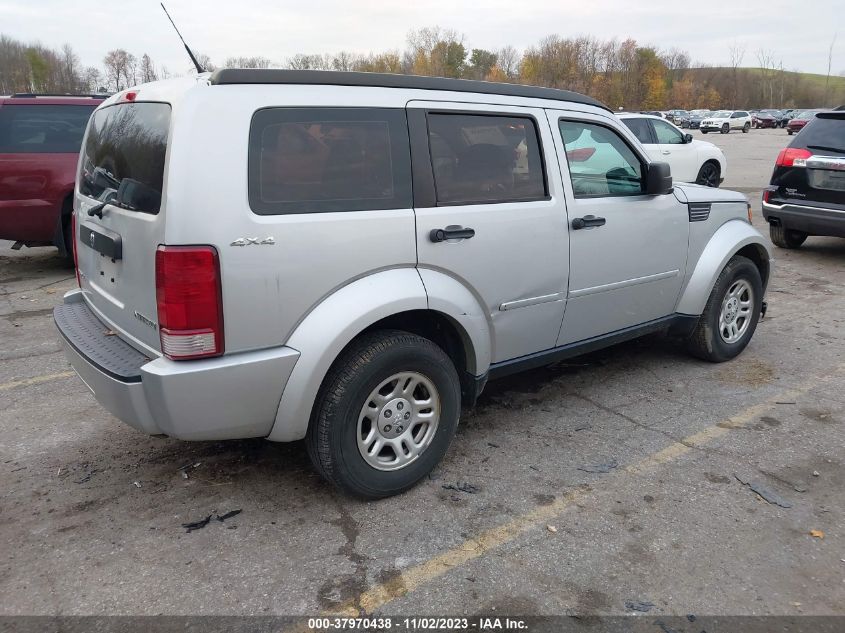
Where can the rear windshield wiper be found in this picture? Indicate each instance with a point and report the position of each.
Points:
(112, 199)
(825, 148)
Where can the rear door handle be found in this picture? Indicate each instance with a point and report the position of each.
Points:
(665, 152)
(452, 232)
(587, 221)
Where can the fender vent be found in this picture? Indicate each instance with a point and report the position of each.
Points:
(699, 211)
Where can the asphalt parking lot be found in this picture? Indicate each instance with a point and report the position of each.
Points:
(571, 489)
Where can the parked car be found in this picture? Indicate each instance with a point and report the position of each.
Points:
(785, 116)
(39, 146)
(806, 195)
(675, 116)
(691, 160)
(352, 256)
(696, 117)
(799, 120)
(726, 120)
(764, 119)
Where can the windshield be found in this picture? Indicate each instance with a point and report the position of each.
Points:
(124, 155)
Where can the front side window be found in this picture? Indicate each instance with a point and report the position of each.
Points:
(485, 159)
(316, 160)
(667, 134)
(124, 154)
(641, 129)
(43, 129)
(600, 162)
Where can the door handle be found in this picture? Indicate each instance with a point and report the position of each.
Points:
(587, 221)
(452, 232)
(665, 152)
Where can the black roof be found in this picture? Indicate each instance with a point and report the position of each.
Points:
(229, 76)
(63, 95)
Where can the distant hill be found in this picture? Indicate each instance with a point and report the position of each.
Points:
(762, 88)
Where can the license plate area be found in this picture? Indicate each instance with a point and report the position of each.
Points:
(108, 243)
(824, 179)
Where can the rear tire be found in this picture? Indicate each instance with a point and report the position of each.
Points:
(731, 314)
(786, 238)
(359, 411)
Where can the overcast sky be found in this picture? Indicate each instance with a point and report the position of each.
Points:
(798, 32)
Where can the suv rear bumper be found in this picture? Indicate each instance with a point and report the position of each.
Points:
(810, 220)
(234, 396)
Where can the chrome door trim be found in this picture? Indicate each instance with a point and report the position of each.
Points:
(621, 284)
(531, 301)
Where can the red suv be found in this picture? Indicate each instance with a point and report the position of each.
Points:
(40, 137)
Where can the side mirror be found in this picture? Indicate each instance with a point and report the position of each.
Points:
(687, 138)
(658, 179)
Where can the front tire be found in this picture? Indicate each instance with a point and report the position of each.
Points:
(708, 175)
(789, 132)
(745, 128)
(725, 128)
(386, 414)
(731, 314)
(786, 238)
(704, 131)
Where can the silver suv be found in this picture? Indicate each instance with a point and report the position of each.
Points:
(348, 258)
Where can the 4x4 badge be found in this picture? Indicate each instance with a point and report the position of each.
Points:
(253, 241)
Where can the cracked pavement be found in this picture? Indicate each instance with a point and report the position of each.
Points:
(92, 511)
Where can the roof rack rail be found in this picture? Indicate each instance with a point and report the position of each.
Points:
(227, 76)
(33, 95)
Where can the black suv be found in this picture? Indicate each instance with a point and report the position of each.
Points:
(806, 195)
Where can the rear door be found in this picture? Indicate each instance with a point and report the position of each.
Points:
(120, 215)
(490, 213)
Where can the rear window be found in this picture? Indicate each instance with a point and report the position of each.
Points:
(124, 154)
(43, 129)
(640, 128)
(824, 133)
(318, 160)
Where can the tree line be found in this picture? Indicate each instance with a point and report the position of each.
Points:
(621, 73)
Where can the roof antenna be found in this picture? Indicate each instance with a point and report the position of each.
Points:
(197, 65)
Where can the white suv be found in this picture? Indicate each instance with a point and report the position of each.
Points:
(347, 258)
(692, 161)
(726, 120)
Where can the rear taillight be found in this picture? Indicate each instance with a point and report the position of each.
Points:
(793, 157)
(72, 246)
(189, 300)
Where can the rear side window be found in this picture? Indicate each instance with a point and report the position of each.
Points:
(824, 133)
(317, 160)
(124, 154)
(43, 129)
(485, 159)
(640, 128)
